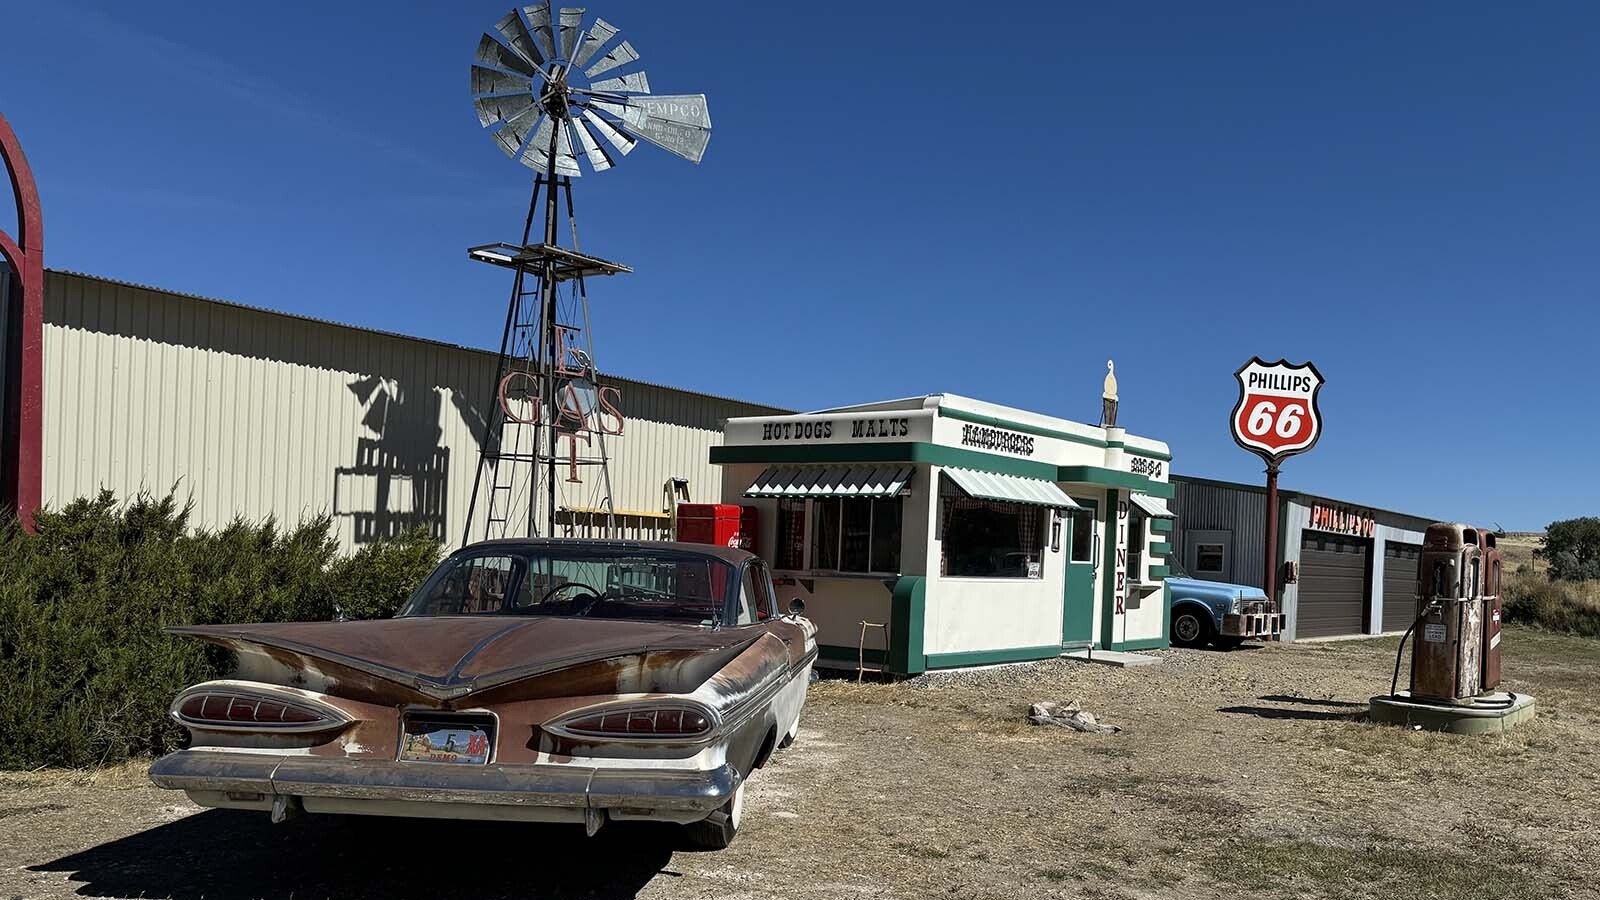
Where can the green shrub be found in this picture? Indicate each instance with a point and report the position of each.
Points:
(86, 672)
(1571, 548)
(1571, 606)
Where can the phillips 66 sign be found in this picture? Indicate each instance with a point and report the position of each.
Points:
(1277, 416)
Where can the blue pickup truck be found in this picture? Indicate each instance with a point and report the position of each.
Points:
(1215, 612)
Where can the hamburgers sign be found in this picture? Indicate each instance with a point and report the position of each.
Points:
(1276, 415)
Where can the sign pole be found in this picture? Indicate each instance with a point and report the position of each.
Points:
(1270, 576)
(1276, 417)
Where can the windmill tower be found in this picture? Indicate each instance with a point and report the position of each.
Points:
(545, 89)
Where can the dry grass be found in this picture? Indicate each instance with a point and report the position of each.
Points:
(1239, 775)
(1516, 551)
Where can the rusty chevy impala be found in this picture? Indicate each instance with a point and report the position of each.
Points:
(532, 680)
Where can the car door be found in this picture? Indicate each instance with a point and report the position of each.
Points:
(759, 607)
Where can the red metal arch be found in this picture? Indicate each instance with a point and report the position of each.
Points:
(21, 440)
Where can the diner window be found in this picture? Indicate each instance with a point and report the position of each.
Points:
(856, 534)
(1082, 535)
(791, 534)
(989, 538)
(1136, 520)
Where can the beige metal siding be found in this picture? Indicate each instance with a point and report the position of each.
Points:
(253, 413)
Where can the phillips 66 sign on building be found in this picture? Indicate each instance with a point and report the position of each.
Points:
(1277, 416)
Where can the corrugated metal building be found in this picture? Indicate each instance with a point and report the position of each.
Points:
(1356, 564)
(252, 413)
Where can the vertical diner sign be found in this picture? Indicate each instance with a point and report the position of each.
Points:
(1120, 569)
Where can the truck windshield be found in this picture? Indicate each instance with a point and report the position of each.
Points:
(595, 582)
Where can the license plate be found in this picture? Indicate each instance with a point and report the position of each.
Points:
(433, 741)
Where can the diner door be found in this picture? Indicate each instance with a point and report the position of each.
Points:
(1077, 611)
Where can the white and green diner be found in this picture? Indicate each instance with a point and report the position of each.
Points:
(976, 533)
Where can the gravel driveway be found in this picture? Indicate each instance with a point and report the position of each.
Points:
(1240, 774)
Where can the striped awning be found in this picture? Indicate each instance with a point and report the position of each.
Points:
(831, 481)
(1152, 506)
(1010, 488)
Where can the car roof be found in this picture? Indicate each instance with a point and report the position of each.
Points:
(729, 555)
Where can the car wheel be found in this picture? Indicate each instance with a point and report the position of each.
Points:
(794, 732)
(1189, 628)
(717, 831)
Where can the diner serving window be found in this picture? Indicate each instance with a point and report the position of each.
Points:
(1136, 530)
(791, 534)
(989, 538)
(856, 534)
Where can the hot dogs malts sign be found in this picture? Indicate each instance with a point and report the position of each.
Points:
(1275, 418)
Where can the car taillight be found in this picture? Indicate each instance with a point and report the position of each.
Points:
(642, 721)
(235, 710)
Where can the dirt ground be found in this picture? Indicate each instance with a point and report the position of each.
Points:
(1240, 774)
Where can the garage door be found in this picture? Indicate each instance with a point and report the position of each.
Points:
(1333, 585)
(1399, 584)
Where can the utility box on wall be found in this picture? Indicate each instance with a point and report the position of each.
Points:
(723, 524)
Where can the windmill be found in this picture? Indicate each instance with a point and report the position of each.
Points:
(558, 96)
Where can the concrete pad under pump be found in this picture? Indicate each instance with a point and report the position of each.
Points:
(1487, 714)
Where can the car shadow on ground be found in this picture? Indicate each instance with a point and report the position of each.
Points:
(230, 855)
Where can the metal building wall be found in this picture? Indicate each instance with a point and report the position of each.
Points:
(1202, 505)
(254, 413)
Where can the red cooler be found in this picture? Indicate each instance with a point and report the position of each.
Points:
(723, 524)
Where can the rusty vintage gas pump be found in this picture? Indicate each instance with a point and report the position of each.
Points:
(1455, 658)
(1447, 659)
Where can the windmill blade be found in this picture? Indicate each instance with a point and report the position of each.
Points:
(686, 141)
(511, 138)
(571, 23)
(493, 53)
(599, 34)
(634, 83)
(537, 155)
(598, 158)
(623, 142)
(566, 160)
(611, 108)
(501, 109)
(539, 18)
(620, 55)
(516, 34)
(492, 81)
(685, 109)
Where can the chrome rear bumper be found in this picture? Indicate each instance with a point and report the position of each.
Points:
(388, 787)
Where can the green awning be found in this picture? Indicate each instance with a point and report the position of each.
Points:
(1152, 506)
(831, 481)
(1010, 488)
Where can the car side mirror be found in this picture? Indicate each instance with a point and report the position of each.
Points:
(796, 606)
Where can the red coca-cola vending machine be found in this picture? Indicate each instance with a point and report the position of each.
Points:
(723, 524)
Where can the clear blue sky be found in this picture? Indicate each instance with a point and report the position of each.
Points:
(911, 197)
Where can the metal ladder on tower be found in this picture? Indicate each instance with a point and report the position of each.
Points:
(503, 479)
